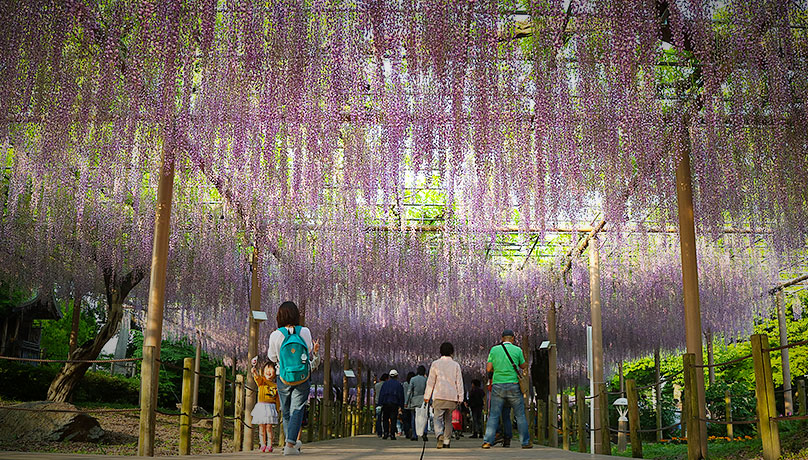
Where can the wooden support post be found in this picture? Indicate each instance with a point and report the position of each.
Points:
(728, 413)
(238, 421)
(153, 333)
(710, 358)
(658, 394)
(197, 367)
(788, 398)
(326, 429)
(634, 418)
(310, 424)
(691, 396)
(803, 399)
(552, 356)
(541, 423)
(565, 421)
(621, 379)
(147, 406)
(74, 324)
(218, 409)
(690, 285)
(252, 349)
(187, 405)
(603, 400)
(764, 393)
(359, 391)
(580, 402)
(601, 433)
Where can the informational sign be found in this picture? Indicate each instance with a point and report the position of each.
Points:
(259, 315)
(349, 373)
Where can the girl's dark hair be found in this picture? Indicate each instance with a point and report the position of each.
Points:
(266, 364)
(410, 375)
(421, 370)
(446, 349)
(476, 382)
(288, 315)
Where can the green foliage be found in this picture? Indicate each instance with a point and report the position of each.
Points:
(743, 407)
(25, 382)
(172, 355)
(56, 334)
(10, 296)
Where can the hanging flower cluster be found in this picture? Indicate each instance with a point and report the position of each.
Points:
(300, 129)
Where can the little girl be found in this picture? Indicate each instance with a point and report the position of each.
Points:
(265, 412)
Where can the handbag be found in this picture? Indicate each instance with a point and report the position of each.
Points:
(523, 383)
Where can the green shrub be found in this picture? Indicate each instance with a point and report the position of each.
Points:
(743, 407)
(25, 382)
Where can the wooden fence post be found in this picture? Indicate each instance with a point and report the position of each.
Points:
(580, 401)
(238, 419)
(606, 436)
(803, 399)
(728, 412)
(764, 393)
(218, 409)
(541, 425)
(147, 405)
(633, 418)
(691, 396)
(187, 405)
(565, 422)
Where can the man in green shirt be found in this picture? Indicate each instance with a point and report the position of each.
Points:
(504, 360)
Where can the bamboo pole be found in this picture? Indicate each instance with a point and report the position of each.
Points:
(238, 422)
(601, 431)
(603, 400)
(658, 394)
(153, 334)
(187, 405)
(565, 421)
(147, 406)
(580, 402)
(764, 393)
(218, 409)
(634, 418)
(252, 349)
(788, 397)
(690, 284)
(728, 413)
(552, 356)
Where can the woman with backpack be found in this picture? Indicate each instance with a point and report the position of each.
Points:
(292, 348)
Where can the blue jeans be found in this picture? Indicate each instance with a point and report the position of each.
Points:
(510, 393)
(293, 400)
(505, 423)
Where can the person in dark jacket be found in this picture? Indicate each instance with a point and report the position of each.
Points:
(391, 398)
(476, 402)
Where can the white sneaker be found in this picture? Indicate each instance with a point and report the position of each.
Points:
(299, 445)
(290, 450)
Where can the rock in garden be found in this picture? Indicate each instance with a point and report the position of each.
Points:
(37, 423)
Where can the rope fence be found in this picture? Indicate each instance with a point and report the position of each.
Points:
(790, 345)
(725, 363)
(71, 361)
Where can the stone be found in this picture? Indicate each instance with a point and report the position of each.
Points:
(37, 423)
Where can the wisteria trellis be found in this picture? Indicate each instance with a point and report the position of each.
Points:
(296, 125)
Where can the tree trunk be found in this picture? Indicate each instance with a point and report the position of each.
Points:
(74, 325)
(71, 374)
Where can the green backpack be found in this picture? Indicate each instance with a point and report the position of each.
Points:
(293, 357)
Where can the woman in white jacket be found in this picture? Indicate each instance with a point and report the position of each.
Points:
(444, 387)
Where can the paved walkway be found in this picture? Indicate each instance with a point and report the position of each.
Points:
(364, 447)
